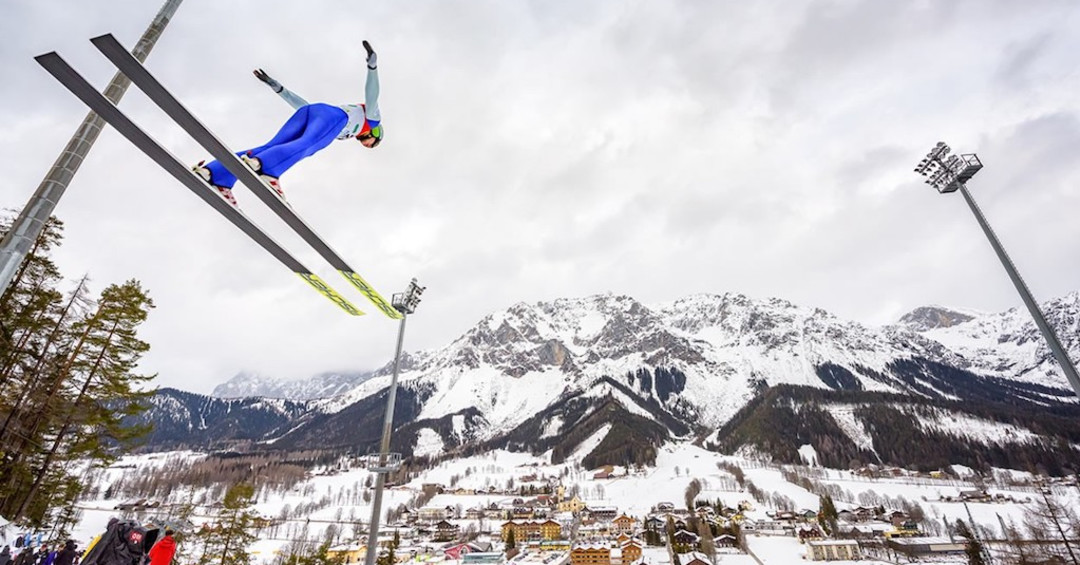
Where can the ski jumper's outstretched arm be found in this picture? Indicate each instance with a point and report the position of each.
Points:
(294, 99)
(371, 92)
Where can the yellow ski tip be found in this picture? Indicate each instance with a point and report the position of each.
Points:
(372, 295)
(325, 290)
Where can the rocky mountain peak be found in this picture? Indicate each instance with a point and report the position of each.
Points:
(933, 317)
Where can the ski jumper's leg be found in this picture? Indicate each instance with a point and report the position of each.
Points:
(307, 123)
(324, 123)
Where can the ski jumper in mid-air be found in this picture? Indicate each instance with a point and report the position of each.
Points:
(310, 129)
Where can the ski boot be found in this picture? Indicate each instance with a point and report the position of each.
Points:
(202, 172)
(256, 165)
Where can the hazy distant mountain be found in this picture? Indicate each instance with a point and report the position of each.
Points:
(323, 385)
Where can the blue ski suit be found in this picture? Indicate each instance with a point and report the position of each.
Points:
(310, 129)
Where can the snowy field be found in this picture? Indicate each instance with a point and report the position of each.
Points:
(635, 493)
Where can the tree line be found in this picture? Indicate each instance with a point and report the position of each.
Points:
(67, 369)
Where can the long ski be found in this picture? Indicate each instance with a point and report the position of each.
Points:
(74, 82)
(134, 70)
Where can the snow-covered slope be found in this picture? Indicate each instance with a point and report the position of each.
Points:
(1008, 344)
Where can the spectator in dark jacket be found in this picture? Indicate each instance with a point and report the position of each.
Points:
(66, 555)
(5, 555)
(120, 545)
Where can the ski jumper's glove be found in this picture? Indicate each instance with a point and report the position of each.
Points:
(261, 75)
(372, 57)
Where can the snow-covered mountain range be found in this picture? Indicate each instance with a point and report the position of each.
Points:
(516, 362)
(535, 372)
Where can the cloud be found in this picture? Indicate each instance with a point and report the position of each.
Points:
(538, 150)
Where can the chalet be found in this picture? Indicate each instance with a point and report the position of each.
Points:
(446, 531)
(785, 516)
(811, 533)
(605, 513)
(725, 540)
(655, 523)
(833, 550)
(521, 513)
(808, 515)
(433, 487)
(475, 513)
(694, 558)
(629, 552)
(845, 516)
(665, 507)
(685, 537)
(590, 554)
(431, 514)
(601, 475)
(624, 524)
(864, 513)
(595, 532)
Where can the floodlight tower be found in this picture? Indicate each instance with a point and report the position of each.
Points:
(386, 462)
(949, 173)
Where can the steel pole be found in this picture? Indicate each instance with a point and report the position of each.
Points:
(1040, 320)
(27, 228)
(388, 423)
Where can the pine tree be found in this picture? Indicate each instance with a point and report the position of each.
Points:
(226, 540)
(827, 515)
(511, 543)
(29, 312)
(101, 365)
(973, 548)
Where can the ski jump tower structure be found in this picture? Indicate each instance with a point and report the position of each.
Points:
(28, 226)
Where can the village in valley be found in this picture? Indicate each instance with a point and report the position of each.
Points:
(694, 508)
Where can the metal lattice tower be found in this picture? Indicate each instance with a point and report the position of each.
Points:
(24, 232)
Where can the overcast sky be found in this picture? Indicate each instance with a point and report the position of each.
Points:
(546, 149)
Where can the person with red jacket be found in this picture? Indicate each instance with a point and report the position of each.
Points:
(163, 551)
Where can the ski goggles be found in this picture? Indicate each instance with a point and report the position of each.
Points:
(374, 133)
